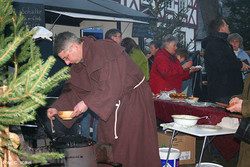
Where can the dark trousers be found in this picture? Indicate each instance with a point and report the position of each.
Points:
(224, 100)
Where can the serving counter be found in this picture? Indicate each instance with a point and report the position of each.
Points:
(228, 145)
(165, 108)
(196, 131)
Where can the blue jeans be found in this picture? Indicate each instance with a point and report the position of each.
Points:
(85, 124)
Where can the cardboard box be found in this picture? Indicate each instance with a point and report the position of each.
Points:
(185, 143)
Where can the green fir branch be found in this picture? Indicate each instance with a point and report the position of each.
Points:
(5, 13)
(28, 85)
(37, 158)
(2, 127)
(7, 52)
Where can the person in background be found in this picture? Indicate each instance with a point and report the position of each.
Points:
(86, 124)
(153, 47)
(167, 73)
(223, 68)
(183, 56)
(137, 55)
(242, 106)
(106, 80)
(237, 42)
(224, 78)
(114, 35)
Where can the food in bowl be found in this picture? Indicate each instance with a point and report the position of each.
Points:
(65, 115)
(177, 96)
(186, 120)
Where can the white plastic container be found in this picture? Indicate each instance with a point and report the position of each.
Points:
(82, 156)
(174, 157)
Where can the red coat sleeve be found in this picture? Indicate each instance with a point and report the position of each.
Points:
(167, 68)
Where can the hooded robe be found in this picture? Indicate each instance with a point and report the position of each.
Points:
(113, 86)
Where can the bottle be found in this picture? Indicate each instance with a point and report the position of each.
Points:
(163, 145)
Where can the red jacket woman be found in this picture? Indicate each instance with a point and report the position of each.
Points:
(167, 73)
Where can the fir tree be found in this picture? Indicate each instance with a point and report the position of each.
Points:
(25, 89)
(163, 24)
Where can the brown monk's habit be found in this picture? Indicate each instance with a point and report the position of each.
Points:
(105, 81)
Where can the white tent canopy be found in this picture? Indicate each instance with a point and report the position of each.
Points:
(95, 17)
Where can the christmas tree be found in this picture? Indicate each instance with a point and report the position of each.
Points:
(25, 89)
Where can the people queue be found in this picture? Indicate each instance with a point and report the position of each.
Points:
(115, 80)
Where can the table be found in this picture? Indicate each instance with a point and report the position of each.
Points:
(196, 131)
(165, 108)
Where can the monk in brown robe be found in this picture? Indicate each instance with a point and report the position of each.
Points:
(106, 80)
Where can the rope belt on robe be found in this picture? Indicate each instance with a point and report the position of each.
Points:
(118, 105)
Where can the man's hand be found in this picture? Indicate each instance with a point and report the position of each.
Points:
(51, 112)
(236, 107)
(80, 108)
(234, 100)
(245, 67)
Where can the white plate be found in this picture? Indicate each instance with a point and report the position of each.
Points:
(207, 164)
(196, 67)
(191, 101)
(209, 127)
(203, 104)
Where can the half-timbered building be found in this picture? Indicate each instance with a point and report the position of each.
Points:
(188, 32)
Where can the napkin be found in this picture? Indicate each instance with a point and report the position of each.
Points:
(42, 33)
(229, 122)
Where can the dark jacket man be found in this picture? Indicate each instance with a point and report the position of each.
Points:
(222, 66)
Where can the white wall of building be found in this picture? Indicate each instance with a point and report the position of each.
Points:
(60, 28)
(198, 46)
(126, 27)
(190, 34)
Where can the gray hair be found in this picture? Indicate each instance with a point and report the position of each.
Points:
(237, 37)
(168, 39)
(64, 40)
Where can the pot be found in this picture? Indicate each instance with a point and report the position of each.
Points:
(185, 120)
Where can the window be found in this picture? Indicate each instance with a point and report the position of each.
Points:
(181, 38)
(96, 32)
(169, 4)
(182, 4)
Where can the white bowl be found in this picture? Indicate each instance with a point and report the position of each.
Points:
(186, 120)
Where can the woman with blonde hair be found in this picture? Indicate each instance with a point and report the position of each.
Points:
(237, 42)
